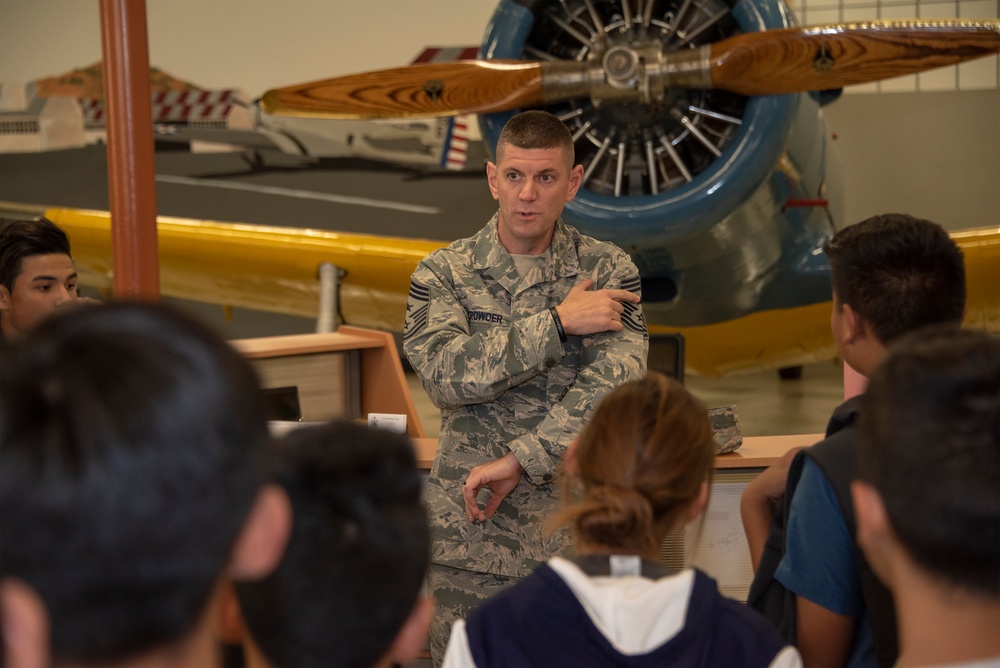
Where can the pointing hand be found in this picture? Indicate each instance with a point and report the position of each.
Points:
(586, 311)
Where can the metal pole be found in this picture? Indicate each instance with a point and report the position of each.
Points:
(329, 279)
(131, 167)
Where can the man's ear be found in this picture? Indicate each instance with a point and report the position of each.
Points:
(262, 541)
(491, 179)
(575, 181)
(413, 634)
(25, 624)
(875, 535)
(699, 504)
(5, 298)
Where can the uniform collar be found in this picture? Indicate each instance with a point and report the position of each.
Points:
(559, 260)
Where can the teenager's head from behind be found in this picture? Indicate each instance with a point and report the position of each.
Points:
(897, 273)
(930, 460)
(132, 459)
(347, 591)
(640, 468)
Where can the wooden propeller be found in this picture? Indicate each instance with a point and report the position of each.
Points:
(825, 57)
(771, 62)
(427, 89)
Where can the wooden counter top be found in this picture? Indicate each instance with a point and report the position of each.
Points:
(305, 344)
(762, 451)
(756, 451)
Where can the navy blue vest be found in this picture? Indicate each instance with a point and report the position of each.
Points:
(540, 622)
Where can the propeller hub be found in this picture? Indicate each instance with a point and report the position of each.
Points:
(638, 98)
(621, 66)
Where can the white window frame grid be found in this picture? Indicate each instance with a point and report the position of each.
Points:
(981, 74)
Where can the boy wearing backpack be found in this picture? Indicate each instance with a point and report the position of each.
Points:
(892, 274)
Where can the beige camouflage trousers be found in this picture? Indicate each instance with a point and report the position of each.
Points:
(456, 592)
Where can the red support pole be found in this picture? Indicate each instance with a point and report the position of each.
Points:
(131, 165)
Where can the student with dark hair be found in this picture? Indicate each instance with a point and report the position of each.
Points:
(37, 275)
(927, 497)
(892, 274)
(348, 589)
(641, 467)
(132, 478)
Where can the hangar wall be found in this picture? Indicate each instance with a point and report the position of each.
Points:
(935, 155)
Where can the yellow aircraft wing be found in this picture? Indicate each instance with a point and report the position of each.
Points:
(801, 335)
(275, 269)
(262, 267)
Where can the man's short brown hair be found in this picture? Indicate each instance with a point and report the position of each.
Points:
(536, 129)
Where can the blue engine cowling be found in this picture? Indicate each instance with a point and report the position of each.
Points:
(723, 243)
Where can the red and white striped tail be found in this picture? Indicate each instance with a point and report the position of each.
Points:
(457, 151)
(93, 112)
(444, 54)
(180, 106)
(181, 113)
(195, 97)
(176, 106)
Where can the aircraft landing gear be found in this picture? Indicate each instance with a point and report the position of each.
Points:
(254, 159)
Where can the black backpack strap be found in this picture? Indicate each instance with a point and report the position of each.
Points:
(767, 595)
(837, 459)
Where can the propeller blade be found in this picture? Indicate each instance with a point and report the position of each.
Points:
(823, 57)
(771, 62)
(428, 89)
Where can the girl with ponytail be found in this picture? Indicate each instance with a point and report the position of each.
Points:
(641, 468)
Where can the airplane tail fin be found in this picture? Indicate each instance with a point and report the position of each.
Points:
(443, 54)
(456, 143)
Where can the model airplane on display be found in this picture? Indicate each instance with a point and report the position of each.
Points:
(451, 143)
(448, 142)
(699, 126)
(429, 145)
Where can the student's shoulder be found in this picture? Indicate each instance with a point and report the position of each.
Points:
(740, 632)
(541, 585)
(836, 455)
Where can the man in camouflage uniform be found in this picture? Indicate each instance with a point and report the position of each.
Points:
(515, 333)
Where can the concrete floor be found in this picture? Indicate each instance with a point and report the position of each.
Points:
(766, 404)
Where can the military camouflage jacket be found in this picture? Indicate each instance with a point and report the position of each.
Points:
(488, 353)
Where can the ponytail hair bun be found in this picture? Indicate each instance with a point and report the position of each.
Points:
(640, 463)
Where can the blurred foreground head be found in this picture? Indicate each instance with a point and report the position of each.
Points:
(347, 591)
(930, 450)
(132, 448)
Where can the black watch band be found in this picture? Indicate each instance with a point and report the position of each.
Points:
(559, 327)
